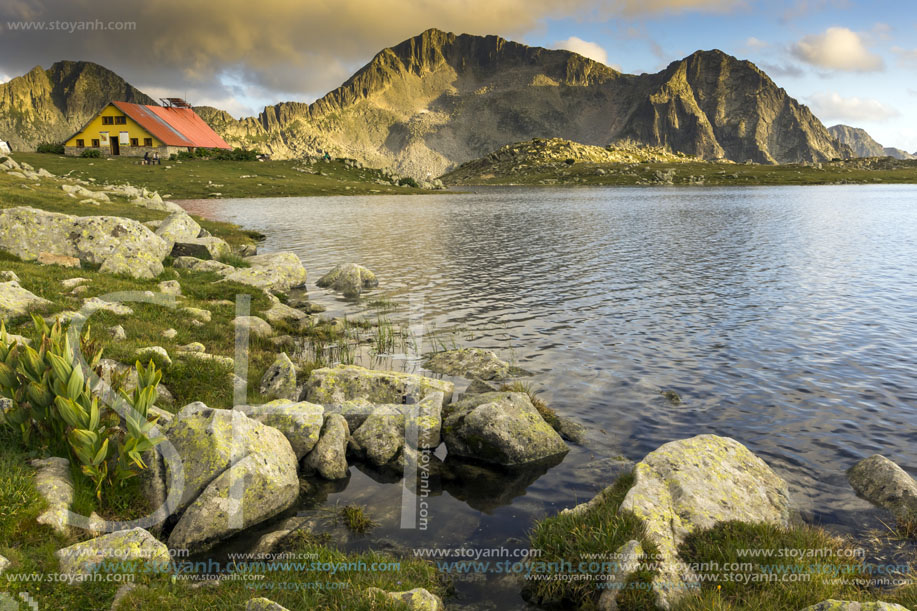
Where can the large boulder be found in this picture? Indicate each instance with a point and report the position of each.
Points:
(237, 472)
(336, 385)
(134, 545)
(385, 431)
(502, 428)
(329, 456)
(301, 423)
(471, 363)
(208, 247)
(257, 327)
(178, 227)
(117, 244)
(693, 484)
(418, 599)
(279, 271)
(54, 484)
(349, 279)
(17, 301)
(882, 482)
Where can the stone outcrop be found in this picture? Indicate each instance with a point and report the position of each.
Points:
(882, 482)
(237, 472)
(329, 456)
(118, 245)
(279, 381)
(17, 301)
(257, 327)
(418, 599)
(693, 484)
(271, 272)
(301, 423)
(134, 545)
(502, 428)
(53, 482)
(471, 363)
(337, 385)
(178, 227)
(350, 279)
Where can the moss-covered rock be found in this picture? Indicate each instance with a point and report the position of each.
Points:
(336, 385)
(17, 301)
(329, 456)
(350, 279)
(882, 482)
(300, 422)
(279, 271)
(693, 484)
(178, 227)
(502, 428)
(848, 605)
(418, 599)
(279, 380)
(471, 363)
(135, 544)
(54, 484)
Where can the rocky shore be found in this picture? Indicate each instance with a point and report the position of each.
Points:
(223, 468)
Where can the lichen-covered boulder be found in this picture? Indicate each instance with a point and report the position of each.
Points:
(281, 312)
(627, 558)
(263, 604)
(502, 428)
(301, 423)
(178, 227)
(17, 301)
(202, 265)
(882, 482)
(279, 271)
(4, 563)
(418, 599)
(134, 545)
(119, 245)
(849, 605)
(355, 411)
(471, 363)
(53, 482)
(202, 248)
(350, 279)
(257, 327)
(693, 484)
(157, 354)
(279, 381)
(381, 436)
(335, 385)
(329, 456)
(237, 472)
(170, 287)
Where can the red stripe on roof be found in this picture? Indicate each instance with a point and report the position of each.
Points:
(173, 126)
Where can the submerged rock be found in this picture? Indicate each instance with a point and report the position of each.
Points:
(381, 436)
(350, 279)
(336, 385)
(131, 545)
(471, 363)
(693, 484)
(883, 483)
(329, 456)
(502, 428)
(237, 472)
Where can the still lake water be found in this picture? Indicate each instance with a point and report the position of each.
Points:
(784, 317)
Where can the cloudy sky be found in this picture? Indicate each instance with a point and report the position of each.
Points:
(851, 61)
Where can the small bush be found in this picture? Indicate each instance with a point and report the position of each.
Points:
(409, 182)
(569, 161)
(48, 147)
(91, 153)
(185, 155)
(173, 157)
(236, 154)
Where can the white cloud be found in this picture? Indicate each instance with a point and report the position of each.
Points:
(4, 78)
(756, 43)
(832, 107)
(906, 57)
(585, 48)
(837, 49)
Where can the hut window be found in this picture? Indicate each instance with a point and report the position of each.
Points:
(95, 142)
(135, 142)
(108, 120)
(80, 143)
(147, 142)
(121, 120)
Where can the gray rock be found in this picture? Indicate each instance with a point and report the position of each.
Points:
(199, 314)
(274, 272)
(8, 275)
(257, 327)
(202, 265)
(883, 483)
(329, 456)
(418, 599)
(300, 423)
(627, 558)
(693, 484)
(237, 472)
(381, 436)
(350, 279)
(279, 312)
(17, 301)
(135, 544)
(471, 363)
(279, 381)
(202, 248)
(178, 227)
(169, 333)
(4, 564)
(170, 287)
(117, 332)
(157, 353)
(54, 484)
(571, 430)
(502, 428)
(94, 303)
(849, 605)
(336, 385)
(263, 604)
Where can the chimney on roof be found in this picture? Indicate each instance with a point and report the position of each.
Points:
(174, 103)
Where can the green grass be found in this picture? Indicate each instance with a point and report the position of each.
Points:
(202, 178)
(575, 538)
(355, 518)
(714, 174)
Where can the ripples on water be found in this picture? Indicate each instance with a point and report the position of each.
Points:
(784, 317)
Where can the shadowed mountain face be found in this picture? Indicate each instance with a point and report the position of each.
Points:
(439, 99)
(50, 105)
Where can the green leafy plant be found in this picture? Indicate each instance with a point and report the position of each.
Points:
(91, 154)
(52, 402)
(50, 147)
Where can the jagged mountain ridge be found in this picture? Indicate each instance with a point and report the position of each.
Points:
(439, 99)
(50, 105)
(863, 145)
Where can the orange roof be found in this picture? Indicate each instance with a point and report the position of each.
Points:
(173, 126)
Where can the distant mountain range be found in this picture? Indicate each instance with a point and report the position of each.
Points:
(439, 99)
(863, 145)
